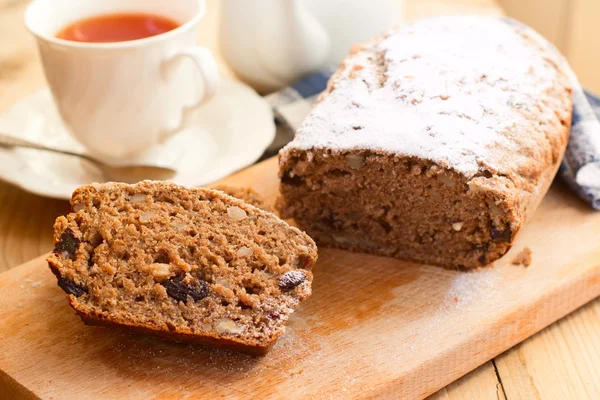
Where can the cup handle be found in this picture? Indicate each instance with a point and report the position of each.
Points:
(207, 67)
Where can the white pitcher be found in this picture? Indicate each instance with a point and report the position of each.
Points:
(273, 43)
(353, 21)
(270, 43)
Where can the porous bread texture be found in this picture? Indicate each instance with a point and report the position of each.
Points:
(249, 195)
(432, 143)
(188, 264)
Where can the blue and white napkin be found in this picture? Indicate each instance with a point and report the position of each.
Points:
(580, 168)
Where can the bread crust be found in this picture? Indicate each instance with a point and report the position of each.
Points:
(183, 337)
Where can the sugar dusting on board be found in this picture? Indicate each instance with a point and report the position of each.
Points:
(458, 293)
(467, 287)
(459, 91)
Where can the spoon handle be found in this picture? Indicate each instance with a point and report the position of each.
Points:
(8, 141)
(130, 174)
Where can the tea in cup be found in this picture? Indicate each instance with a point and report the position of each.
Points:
(117, 69)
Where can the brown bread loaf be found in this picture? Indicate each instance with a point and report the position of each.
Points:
(433, 143)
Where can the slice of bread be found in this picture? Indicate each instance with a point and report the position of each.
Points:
(189, 264)
(249, 195)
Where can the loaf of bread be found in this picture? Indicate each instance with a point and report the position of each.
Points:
(186, 264)
(432, 143)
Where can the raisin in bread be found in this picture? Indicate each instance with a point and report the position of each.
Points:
(432, 143)
(187, 264)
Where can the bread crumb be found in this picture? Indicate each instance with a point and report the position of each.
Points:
(36, 284)
(523, 258)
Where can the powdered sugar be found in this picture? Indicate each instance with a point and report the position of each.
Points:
(459, 91)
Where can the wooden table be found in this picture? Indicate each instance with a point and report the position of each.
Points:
(561, 362)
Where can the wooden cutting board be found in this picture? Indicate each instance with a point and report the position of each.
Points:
(373, 327)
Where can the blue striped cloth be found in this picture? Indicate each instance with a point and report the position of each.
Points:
(580, 168)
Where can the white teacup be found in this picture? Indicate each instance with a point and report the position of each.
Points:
(120, 99)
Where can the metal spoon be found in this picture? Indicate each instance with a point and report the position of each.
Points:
(127, 174)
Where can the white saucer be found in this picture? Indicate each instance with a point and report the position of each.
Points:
(239, 122)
